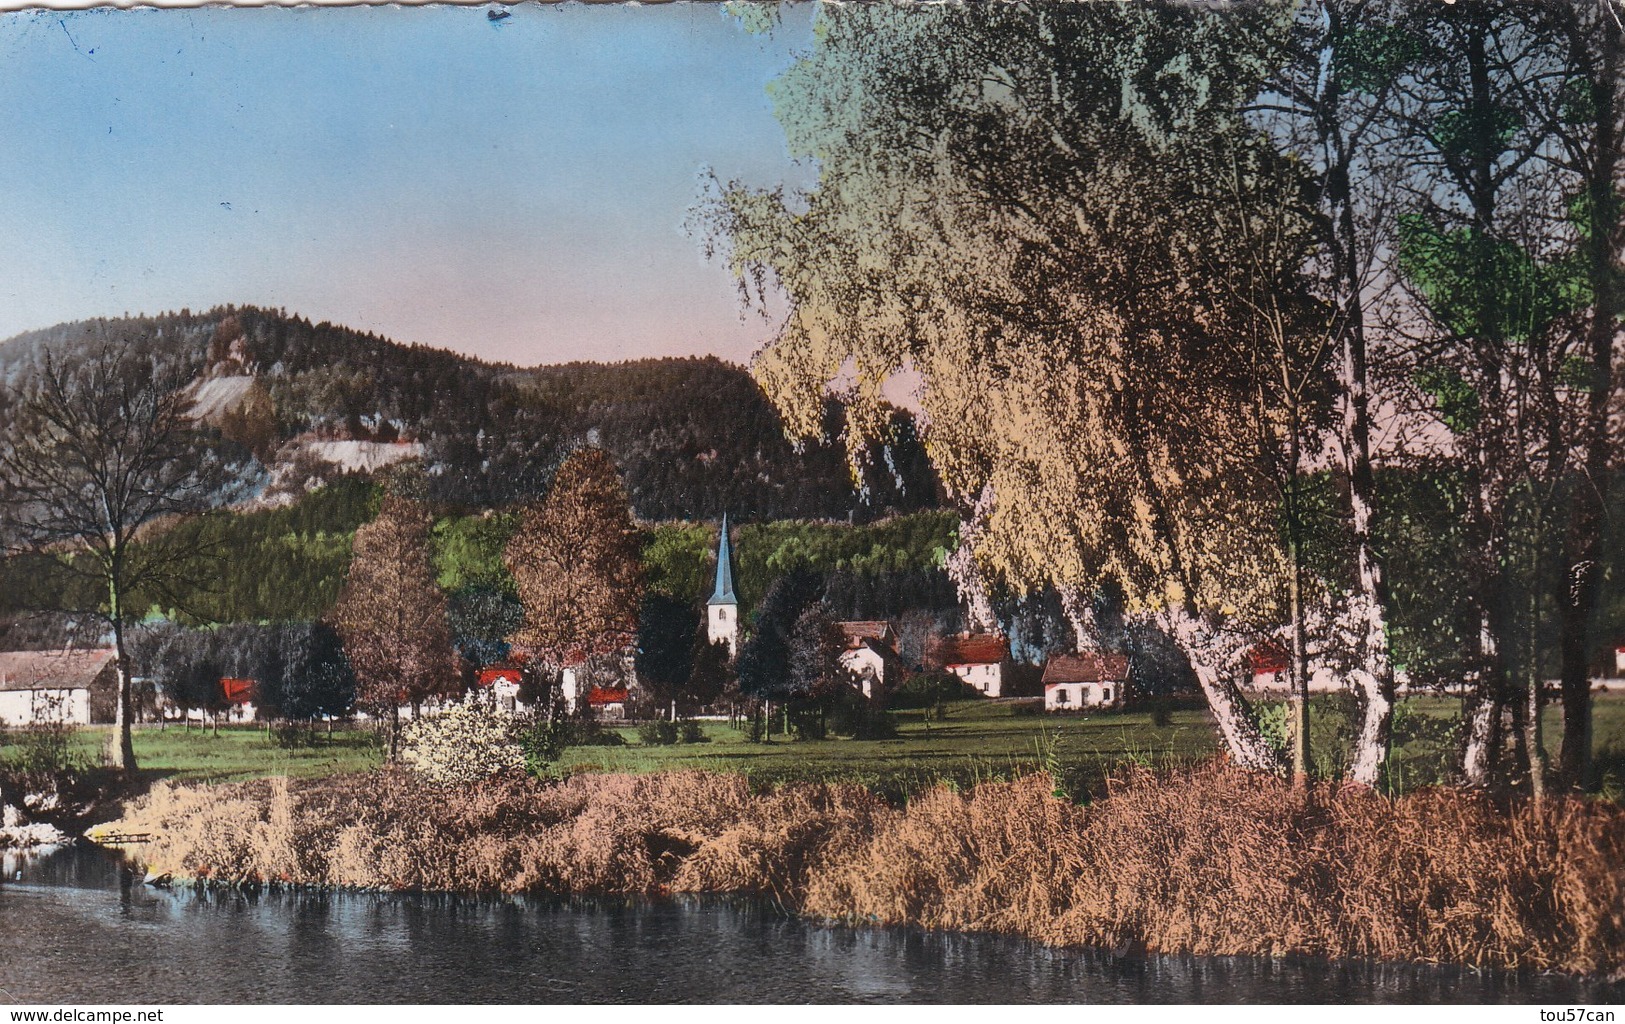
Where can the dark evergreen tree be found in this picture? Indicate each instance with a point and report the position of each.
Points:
(667, 634)
(764, 659)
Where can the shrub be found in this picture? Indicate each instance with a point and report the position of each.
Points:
(1162, 716)
(293, 734)
(591, 733)
(809, 720)
(927, 689)
(852, 715)
(464, 743)
(875, 724)
(658, 733)
(542, 738)
(689, 731)
(1272, 725)
(42, 759)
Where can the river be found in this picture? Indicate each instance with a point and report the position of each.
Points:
(79, 929)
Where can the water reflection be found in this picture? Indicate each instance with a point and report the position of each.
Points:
(95, 934)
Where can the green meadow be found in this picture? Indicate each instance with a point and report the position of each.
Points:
(969, 742)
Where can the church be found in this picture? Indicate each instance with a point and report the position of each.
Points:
(722, 611)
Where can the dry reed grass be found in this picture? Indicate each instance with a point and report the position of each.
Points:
(1209, 861)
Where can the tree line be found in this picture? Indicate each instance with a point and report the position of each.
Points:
(694, 436)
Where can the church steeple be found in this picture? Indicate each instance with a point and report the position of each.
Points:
(724, 592)
(722, 611)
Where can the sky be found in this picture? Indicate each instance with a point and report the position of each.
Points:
(515, 190)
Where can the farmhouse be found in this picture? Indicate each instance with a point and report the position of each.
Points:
(870, 650)
(1088, 679)
(978, 659)
(74, 686)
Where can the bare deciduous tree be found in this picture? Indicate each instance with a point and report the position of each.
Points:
(98, 457)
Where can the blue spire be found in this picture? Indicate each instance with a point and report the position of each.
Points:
(724, 593)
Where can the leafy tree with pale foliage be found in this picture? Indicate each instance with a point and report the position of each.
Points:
(575, 561)
(1022, 206)
(392, 617)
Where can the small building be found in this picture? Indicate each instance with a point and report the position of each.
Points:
(239, 696)
(978, 659)
(502, 682)
(607, 701)
(1088, 679)
(78, 687)
(1267, 669)
(869, 655)
(1619, 659)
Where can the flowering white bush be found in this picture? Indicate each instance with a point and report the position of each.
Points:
(464, 743)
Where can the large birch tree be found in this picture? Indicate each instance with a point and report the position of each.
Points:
(1019, 204)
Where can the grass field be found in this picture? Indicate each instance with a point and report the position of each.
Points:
(977, 741)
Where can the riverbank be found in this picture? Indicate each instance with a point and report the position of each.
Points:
(1207, 861)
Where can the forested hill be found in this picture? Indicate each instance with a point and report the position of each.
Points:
(694, 437)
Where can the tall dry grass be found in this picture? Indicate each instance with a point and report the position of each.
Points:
(1209, 861)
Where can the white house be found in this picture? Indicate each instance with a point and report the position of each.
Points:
(72, 686)
(1088, 679)
(871, 647)
(978, 659)
(608, 702)
(1619, 659)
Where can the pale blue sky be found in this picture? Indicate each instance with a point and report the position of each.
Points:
(516, 190)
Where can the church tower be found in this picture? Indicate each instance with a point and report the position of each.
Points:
(722, 611)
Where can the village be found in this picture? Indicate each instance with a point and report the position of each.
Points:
(78, 688)
(1139, 480)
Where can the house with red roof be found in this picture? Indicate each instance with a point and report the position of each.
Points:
(502, 683)
(1268, 669)
(1267, 666)
(1088, 679)
(239, 696)
(608, 701)
(978, 659)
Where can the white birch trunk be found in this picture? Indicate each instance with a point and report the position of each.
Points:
(1373, 678)
(1247, 747)
(962, 569)
(1475, 758)
(1481, 723)
(1080, 615)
